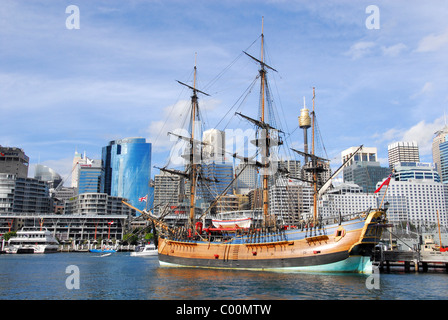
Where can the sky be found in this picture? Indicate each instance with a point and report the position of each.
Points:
(379, 76)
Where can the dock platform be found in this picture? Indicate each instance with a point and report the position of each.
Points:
(416, 261)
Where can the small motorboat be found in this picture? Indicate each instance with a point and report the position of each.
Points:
(103, 250)
(147, 250)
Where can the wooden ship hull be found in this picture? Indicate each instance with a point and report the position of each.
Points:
(339, 247)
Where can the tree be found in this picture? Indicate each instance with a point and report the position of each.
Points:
(9, 235)
(130, 238)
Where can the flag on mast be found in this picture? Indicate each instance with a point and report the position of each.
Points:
(385, 183)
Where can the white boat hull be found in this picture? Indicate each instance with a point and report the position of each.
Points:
(32, 240)
(32, 249)
(148, 250)
(232, 223)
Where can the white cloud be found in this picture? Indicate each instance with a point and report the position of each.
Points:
(433, 42)
(364, 48)
(360, 49)
(428, 87)
(175, 118)
(393, 50)
(422, 133)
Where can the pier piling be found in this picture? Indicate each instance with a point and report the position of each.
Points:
(410, 260)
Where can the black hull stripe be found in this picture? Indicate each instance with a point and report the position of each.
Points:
(318, 259)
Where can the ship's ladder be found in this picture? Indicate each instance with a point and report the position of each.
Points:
(236, 250)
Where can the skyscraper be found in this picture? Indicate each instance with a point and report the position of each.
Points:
(248, 179)
(439, 138)
(14, 161)
(366, 154)
(443, 153)
(419, 201)
(214, 148)
(48, 175)
(89, 179)
(363, 169)
(402, 152)
(220, 175)
(168, 191)
(127, 170)
(79, 160)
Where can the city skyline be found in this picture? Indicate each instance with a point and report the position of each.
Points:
(64, 89)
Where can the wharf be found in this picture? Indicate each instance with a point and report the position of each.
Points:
(417, 261)
(86, 248)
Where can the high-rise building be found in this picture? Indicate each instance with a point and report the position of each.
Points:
(14, 161)
(292, 166)
(402, 152)
(284, 200)
(443, 152)
(365, 174)
(219, 176)
(44, 173)
(405, 171)
(89, 177)
(346, 199)
(419, 201)
(127, 170)
(363, 169)
(366, 154)
(214, 148)
(439, 138)
(248, 178)
(168, 192)
(24, 195)
(77, 160)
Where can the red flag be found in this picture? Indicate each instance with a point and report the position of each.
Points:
(385, 183)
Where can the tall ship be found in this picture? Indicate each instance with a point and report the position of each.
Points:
(315, 243)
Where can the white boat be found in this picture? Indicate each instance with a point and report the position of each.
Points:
(233, 220)
(32, 240)
(147, 250)
(232, 223)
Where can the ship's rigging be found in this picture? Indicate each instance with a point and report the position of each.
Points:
(315, 244)
(267, 140)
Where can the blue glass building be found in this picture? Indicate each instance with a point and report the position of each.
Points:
(443, 147)
(223, 173)
(127, 170)
(89, 179)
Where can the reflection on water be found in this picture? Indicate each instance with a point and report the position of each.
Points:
(195, 283)
(120, 276)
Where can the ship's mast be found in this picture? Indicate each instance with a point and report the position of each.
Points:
(263, 141)
(194, 104)
(193, 173)
(314, 165)
(266, 147)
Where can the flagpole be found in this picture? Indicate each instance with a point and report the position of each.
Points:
(384, 196)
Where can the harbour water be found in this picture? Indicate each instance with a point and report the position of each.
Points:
(90, 276)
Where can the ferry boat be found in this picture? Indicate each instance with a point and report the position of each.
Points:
(337, 244)
(32, 240)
